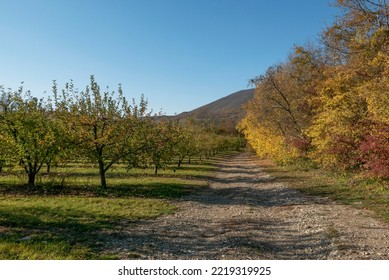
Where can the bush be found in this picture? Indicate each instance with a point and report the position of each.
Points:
(375, 152)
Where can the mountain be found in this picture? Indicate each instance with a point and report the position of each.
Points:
(224, 113)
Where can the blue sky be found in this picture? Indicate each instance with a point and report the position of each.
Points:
(180, 54)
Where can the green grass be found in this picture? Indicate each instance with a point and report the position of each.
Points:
(82, 179)
(350, 189)
(67, 216)
(66, 227)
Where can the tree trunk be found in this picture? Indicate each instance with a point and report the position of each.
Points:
(156, 169)
(102, 175)
(179, 163)
(1, 164)
(31, 180)
(48, 165)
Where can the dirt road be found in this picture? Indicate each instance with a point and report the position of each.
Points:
(246, 214)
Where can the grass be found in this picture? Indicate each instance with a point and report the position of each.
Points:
(345, 188)
(83, 179)
(67, 216)
(66, 227)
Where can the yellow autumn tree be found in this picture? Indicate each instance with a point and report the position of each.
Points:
(281, 110)
(353, 104)
(330, 102)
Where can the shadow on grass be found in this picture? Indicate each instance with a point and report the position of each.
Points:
(145, 190)
(169, 184)
(68, 227)
(45, 233)
(326, 184)
(153, 190)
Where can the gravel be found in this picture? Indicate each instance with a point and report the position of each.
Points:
(246, 214)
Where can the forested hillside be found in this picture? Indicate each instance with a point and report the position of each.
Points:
(223, 114)
(329, 102)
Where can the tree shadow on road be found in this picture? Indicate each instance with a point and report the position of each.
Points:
(227, 239)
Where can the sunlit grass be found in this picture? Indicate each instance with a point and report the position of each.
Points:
(68, 216)
(65, 227)
(77, 178)
(350, 189)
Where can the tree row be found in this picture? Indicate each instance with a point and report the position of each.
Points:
(97, 125)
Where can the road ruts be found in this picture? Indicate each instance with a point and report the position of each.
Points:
(246, 214)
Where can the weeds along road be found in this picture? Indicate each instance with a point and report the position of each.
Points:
(246, 214)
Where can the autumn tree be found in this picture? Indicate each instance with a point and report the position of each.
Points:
(282, 108)
(189, 140)
(103, 125)
(161, 143)
(353, 100)
(29, 130)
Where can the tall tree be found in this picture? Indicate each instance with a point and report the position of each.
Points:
(282, 108)
(329, 103)
(353, 100)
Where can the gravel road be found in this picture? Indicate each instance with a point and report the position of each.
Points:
(246, 214)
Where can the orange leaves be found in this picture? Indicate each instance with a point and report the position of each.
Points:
(336, 96)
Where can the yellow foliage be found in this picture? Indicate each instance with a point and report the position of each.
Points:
(330, 104)
(376, 91)
(266, 142)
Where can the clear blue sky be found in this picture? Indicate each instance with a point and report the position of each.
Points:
(180, 54)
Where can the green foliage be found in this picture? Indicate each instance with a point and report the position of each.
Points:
(30, 132)
(103, 127)
(187, 140)
(95, 125)
(161, 142)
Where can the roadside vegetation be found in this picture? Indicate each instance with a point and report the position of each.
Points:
(99, 127)
(68, 216)
(79, 165)
(329, 103)
(67, 227)
(343, 187)
(323, 115)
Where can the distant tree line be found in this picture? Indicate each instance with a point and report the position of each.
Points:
(97, 125)
(329, 102)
